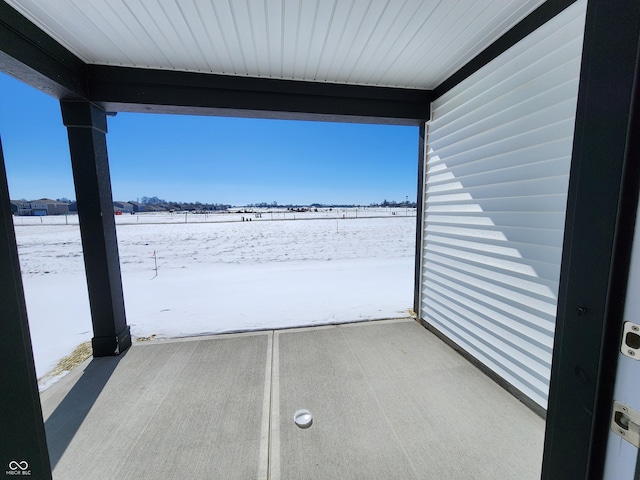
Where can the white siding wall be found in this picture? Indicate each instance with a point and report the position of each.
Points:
(498, 155)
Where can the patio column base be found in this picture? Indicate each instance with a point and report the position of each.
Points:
(111, 346)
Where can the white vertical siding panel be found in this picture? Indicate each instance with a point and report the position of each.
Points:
(215, 45)
(497, 170)
(291, 14)
(316, 38)
(273, 37)
(183, 35)
(322, 51)
(88, 29)
(305, 29)
(256, 54)
(337, 48)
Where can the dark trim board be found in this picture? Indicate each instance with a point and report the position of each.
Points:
(248, 113)
(537, 409)
(417, 275)
(32, 56)
(527, 25)
(140, 90)
(22, 438)
(599, 229)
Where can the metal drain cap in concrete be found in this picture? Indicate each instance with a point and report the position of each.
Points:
(303, 418)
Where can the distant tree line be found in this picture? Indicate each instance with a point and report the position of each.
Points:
(153, 201)
(264, 205)
(199, 206)
(290, 206)
(222, 206)
(393, 204)
(385, 203)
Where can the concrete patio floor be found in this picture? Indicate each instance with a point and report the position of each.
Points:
(389, 400)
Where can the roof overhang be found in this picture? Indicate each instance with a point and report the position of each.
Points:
(41, 51)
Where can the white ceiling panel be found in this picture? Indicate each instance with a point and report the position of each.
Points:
(397, 43)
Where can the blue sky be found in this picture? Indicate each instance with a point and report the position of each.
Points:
(210, 159)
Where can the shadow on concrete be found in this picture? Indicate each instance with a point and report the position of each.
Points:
(64, 422)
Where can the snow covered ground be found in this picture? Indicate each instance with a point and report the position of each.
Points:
(217, 273)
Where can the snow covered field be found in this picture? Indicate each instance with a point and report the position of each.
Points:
(217, 273)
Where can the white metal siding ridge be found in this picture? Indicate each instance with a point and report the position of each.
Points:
(497, 171)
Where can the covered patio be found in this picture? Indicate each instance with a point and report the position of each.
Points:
(528, 178)
(388, 399)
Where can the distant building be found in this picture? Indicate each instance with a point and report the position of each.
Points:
(46, 206)
(123, 207)
(153, 208)
(166, 207)
(20, 207)
(138, 207)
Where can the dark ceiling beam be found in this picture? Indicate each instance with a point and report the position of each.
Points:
(32, 56)
(126, 89)
(524, 27)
